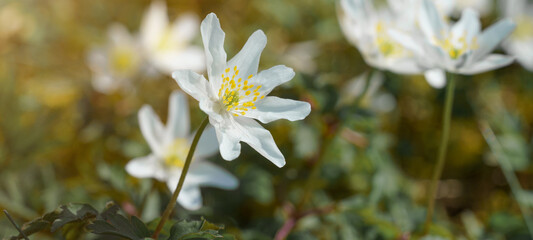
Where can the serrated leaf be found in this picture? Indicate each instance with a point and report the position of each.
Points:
(210, 226)
(111, 223)
(195, 229)
(56, 219)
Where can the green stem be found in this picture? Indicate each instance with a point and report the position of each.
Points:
(174, 197)
(508, 173)
(15, 225)
(442, 150)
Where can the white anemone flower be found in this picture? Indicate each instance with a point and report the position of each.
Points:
(520, 44)
(114, 65)
(461, 48)
(167, 46)
(235, 94)
(170, 145)
(368, 29)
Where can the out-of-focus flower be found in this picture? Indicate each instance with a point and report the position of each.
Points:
(367, 28)
(53, 92)
(455, 7)
(13, 22)
(170, 145)
(461, 48)
(167, 46)
(374, 97)
(235, 94)
(520, 44)
(117, 63)
(301, 56)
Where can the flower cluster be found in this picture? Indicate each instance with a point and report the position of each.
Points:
(420, 39)
(160, 45)
(170, 145)
(235, 95)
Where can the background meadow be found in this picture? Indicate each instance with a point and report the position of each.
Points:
(374, 142)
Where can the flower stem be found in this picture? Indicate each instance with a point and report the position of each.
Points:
(442, 150)
(15, 225)
(174, 197)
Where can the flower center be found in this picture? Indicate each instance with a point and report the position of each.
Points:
(386, 46)
(122, 59)
(524, 28)
(238, 96)
(176, 153)
(167, 42)
(457, 47)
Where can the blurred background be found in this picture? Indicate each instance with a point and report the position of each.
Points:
(62, 140)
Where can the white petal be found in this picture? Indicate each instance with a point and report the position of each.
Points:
(192, 58)
(491, 62)
(247, 60)
(192, 83)
(407, 65)
(513, 8)
(430, 21)
(273, 108)
(406, 41)
(178, 122)
(204, 173)
(436, 78)
(154, 24)
(185, 27)
(208, 144)
(152, 129)
(468, 24)
(523, 51)
(104, 83)
(143, 167)
(230, 147)
(272, 77)
(259, 139)
(190, 197)
(118, 34)
(492, 36)
(213, 38)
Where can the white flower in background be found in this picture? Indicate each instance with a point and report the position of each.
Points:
(235, 94)
(520, 44)
(301, 56)
(461, 48)
(114, 65)
(374, 97)
(367, 28)
(170, 145)
(456, 7)
(167, 46)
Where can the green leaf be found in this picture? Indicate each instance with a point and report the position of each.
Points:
(70, 213)
(111, 223)
(196, 229)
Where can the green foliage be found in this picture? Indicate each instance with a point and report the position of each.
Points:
(72, 219)
(79, 214)
(111, 223)
(195, 229)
